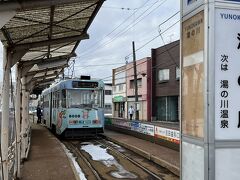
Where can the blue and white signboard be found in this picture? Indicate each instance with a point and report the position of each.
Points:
(227, 74)
(233, 0)
(190, 5)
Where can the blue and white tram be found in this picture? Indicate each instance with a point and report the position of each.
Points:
(74, 107)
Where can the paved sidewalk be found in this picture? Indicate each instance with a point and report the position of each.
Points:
(47, 159)
(161, 155)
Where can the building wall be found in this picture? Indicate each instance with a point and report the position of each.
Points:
(165, 57)
(108, 99)
(143, 90)
(119, 90)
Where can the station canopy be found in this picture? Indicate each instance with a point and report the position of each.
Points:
(44, 34)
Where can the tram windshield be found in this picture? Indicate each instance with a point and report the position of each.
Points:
(84, 98)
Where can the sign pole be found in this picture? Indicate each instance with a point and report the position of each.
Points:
(210, 84)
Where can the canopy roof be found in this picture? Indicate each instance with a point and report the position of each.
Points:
(43, 35)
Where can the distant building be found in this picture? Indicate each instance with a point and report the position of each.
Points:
(119, 96)
(143, 67)
(108, 98)
(165, 83)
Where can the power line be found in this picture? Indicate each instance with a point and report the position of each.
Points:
(137, 73)
(126, 30)
(82, 67)
(153, 38)
(120, 8)
(151, 41)
(145, 61)
(123, 22)
(125, 8)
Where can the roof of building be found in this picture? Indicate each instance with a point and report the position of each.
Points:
(44, 34)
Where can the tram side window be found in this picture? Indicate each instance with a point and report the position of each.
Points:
(45, 102)
(64, 98)
(57, 99)
(54, 100)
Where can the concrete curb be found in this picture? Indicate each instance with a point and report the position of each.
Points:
(174, 169)
(69, 160)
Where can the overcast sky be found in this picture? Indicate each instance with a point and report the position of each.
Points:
(139, 21)
(117, 24)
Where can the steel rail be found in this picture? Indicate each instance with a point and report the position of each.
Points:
(78, 153)
(131, 160)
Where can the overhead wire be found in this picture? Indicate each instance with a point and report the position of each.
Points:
(160, 34)
(82, 67)
(153, 38)
(145, 61)
(145, 45)
(137, 74)
(123, 22)
(119, 34)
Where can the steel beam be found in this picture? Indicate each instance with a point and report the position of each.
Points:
(24, 119)
(31, 4)
(18, 117)
(44, 70)
(50, 42)
(16, 56)
(47, 60)
(5, 112)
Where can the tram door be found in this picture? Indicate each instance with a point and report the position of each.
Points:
(51, 105)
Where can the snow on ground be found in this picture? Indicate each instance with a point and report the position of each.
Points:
(119, 148)
(100, 154)
(73, 159)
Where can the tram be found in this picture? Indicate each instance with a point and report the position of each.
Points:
(74, 107)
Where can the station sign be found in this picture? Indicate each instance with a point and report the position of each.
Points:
(193, 76)
(233, 0)
(227, 74)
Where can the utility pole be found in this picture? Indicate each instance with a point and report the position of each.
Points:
(135, 81)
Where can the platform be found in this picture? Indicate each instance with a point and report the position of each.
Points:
(47, 159)
(161, 155)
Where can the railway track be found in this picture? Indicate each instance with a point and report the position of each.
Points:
(82, 161)
(131, 160)
(120, 164)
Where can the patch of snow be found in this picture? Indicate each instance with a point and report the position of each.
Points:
(97, 153)
(85, 143)
(73, 159)
(100, 154)
(119, 148)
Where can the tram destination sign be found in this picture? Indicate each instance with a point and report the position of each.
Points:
(82, 84)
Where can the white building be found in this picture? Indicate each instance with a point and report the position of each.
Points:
(108, 98)
(119, 92)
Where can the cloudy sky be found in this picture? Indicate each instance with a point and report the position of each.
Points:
(118, 23)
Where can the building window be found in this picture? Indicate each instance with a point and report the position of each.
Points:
(163, 75)
(120, 87)
(108, 92)
(167, 108)
(139, 83)
(177, 73)
(108, 106)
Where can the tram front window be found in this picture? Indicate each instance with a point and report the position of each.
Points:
(84, 98)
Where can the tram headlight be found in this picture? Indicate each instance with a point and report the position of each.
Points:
(96, 121)
(72, 122)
